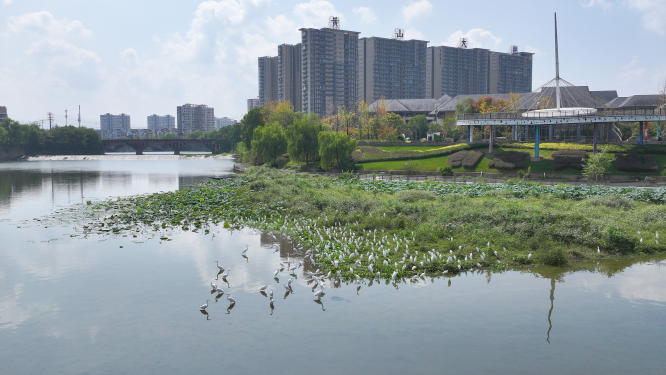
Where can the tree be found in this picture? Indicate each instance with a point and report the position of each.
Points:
(303, 139)
(595, 167)
(363, 118)
(419, 125)
(463, 106)
(269, 142)
(280, 112)
(252, 120)
(334, 147)
(197, 134)
(394, 121)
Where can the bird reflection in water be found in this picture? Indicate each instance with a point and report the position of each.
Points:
(287, 294)
(205, 313)
(357, 289)
(230, 307)
(318, 301)
(276, 280)
(370, 283)
(449, 282)
(247, 260)
(264, 294)
(272, 308)
(395, 285)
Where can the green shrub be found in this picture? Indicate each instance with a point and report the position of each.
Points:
(612, 202)
(555, 257)
(472, 159)
(508, 160)
(445, 170)
(455, 160)
(618, 242)
(411, 167)
(523, 175)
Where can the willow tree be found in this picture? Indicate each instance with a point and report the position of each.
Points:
(335, 148)
(269, 142)
(303, 139)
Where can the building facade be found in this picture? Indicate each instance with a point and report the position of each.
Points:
(193, 117)
(109, 122)
(223, 121)
(161, 122)
(330, 70)
(456, 71)
(252, 103)
(391, 68)
(3, 112)
(290, 79)
(510, 72)
(268, 79)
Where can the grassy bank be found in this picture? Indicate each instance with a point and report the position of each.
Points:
(410, 228)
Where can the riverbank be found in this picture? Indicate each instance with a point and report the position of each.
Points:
(403, 229)
(129, 157)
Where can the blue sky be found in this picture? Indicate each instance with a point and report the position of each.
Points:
(145, 57)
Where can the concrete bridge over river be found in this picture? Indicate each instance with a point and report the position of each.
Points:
(139, 145)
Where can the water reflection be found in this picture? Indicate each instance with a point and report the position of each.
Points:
(550, 312)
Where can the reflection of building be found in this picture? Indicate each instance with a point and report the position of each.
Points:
(330, 69)
(110, 122)
(290, 78)
(391, 68)
(223, 121)
(3, 112)
(193, 117)
(268, 79)
(161, 122)
(252, 103)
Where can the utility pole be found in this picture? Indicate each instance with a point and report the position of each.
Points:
(79, 115)
(65, 116)
(50, 114)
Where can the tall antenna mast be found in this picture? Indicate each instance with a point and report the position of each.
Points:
(557, 68)
(65, 116)
(79, 115)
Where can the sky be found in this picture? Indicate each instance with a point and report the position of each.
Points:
(147, 57)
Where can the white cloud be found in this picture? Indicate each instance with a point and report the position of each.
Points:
(476, 38)
(316, 13)
(130, 56)
(413, 34)
(44, 23)
(365, 14)
(600, 3)
(534, 50)
(7, 2)
(632, 72)
(416, 9)
(654, 14)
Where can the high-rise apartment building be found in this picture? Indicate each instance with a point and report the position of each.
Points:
(456, 71)
(193, 117)
(109, 122)
(3, 112)
(391, 68)
(290, 79)
(223, 121)
(156, 122)
(252, 103)
(268, 79)
(510, 72)
(330, 69)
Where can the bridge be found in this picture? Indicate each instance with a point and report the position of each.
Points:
(141, 144)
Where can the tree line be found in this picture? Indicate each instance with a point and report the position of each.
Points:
(33, 140)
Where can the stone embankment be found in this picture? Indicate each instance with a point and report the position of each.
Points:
(10, 153)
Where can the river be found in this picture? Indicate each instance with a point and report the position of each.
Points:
(125, 305)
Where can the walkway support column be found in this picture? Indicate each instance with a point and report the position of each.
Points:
(527, 133)
(536, 142)
(577, 132)
(550, 132)
(490, 148)
(469, 134)
(640, 133)
(595, 135)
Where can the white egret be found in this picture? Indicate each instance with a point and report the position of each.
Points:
(214, 286)
(271, 300)
(641, 239)
(245, 251)
(598, 250)
(219, 291)
(281, 264)
(529, 256)
(394, 274)
(286, 286)
(292, 269)
(318, 294)
(224, 275)
(263, 288)
(205, 306)
(219, 267)
(231, 299)
(270, 294)
(290, 280)
(446, 271)
(276, 273)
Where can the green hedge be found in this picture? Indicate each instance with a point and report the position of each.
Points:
(610, 148)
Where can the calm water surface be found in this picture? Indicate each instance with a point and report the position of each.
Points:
(125, 305)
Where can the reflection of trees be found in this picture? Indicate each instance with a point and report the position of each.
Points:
(31, 182)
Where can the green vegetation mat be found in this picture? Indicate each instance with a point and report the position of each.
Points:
(402, 229)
